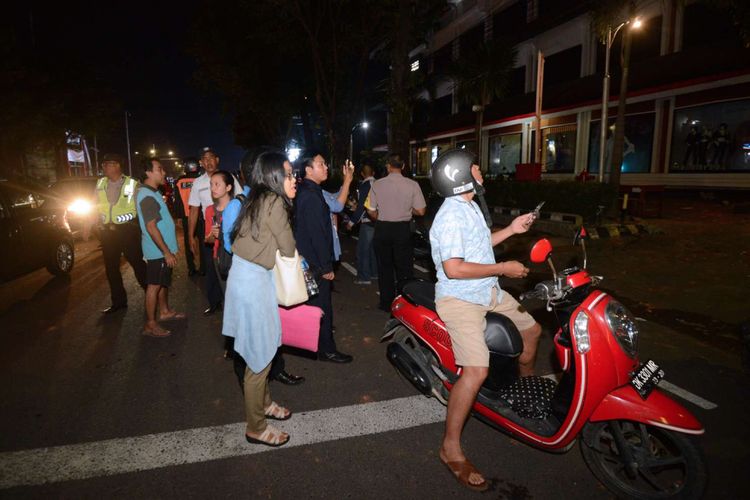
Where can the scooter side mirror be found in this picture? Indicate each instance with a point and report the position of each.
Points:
(580, 235)
(541, 251)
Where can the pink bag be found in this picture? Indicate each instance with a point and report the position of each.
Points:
(300, 326)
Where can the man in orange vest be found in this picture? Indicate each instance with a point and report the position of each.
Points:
(184, 185)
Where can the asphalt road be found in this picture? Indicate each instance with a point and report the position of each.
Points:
(92, 408)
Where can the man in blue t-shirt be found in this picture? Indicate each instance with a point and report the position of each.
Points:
(467, 289)
(159, 243)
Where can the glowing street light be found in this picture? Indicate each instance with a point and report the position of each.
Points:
(171, 153)
(152, 151)
(364, 126)
(637, 23)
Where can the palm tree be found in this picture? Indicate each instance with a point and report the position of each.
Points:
(481, 76)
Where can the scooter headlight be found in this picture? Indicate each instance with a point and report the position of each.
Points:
(581, 332)
(623, 327)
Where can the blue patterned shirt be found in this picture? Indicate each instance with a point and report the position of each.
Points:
(459, 231)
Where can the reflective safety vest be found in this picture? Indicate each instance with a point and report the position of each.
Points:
(124, 210)
(184, 185)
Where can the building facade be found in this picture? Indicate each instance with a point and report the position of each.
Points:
(688, 107)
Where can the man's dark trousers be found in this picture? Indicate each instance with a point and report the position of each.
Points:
(323, 300)
(189, 257)
(395, 253)
(117, 240)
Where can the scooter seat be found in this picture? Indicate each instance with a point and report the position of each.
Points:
(421, 293)
(501, 334)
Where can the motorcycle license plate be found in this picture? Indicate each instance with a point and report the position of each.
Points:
(646, 377)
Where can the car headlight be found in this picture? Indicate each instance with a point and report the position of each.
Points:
(581, 332)
(80, 207)
(623, 327)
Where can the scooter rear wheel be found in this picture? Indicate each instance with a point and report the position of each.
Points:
(663, 463)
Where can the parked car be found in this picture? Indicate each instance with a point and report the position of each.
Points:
(33, 233)
(77, 196)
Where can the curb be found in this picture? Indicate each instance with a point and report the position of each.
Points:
(564, 224)
(616, 230)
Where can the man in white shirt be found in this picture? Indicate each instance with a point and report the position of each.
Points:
(200, 199)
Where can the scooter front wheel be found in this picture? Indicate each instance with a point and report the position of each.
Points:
(635, 460)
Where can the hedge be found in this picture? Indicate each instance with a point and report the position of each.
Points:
(559, 196)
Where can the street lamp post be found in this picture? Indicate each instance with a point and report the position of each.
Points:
(364, 126)
(127, 140)
(605, 93)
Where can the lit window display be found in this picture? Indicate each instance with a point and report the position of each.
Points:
(505, 153)
(559, 152)
(637, 146)
(713, 137)
(470, 145)
(437, 149)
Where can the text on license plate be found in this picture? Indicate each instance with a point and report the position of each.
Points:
(646, 378)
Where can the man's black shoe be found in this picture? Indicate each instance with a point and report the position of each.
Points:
(335, 357)
(289, 379)
(212, 309)
(114, 308)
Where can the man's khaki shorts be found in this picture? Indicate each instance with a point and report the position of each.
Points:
(466, 322)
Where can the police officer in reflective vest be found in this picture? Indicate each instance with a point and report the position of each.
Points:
(118, 228)
(184, 185)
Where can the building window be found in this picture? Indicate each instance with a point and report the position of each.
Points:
(637, 146)
(713, 137)
(504, 154)
(563, 66)
(469, 144)
(471, 39)
(437, 149)
(423, 161)
(707, 25)
(415, 65)
(559, 152)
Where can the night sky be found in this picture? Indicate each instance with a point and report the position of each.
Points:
(141, 48)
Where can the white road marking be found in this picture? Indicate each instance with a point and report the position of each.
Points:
(153, 451)
(667, 386)
(349, 267)
(420, 268)
(689, 396)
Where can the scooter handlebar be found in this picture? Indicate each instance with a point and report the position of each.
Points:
(542, 291)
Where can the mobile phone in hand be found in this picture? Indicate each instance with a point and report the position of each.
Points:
(537, 209)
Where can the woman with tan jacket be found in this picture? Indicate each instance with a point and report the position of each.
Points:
(250, 310)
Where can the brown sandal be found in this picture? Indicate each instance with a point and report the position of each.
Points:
(461, 470)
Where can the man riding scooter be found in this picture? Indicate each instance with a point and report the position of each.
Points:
(467, 289)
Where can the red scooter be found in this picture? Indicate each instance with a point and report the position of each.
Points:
(633, 437)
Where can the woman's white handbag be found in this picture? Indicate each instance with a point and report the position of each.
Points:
(290, 281)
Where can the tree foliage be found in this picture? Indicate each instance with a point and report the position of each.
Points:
(267, 56)
(483, 75)
(45, 90)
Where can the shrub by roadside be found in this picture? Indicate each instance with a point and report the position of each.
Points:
(564, 196)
